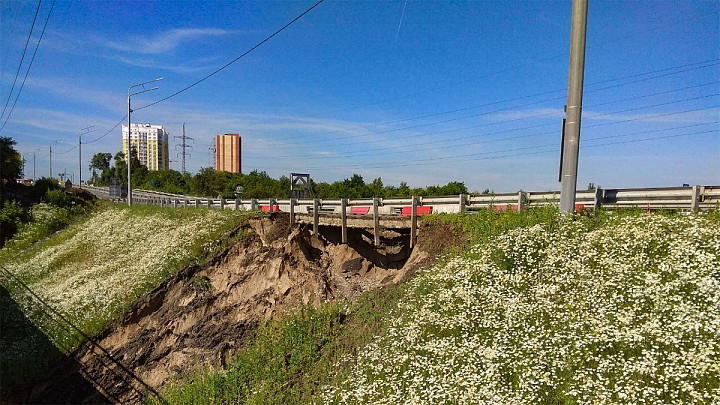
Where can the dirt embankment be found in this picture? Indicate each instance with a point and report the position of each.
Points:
(200, 317)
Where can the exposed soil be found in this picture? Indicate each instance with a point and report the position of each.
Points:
(201, 316)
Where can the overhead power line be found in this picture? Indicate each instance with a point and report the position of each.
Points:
(108, 132)
(690, 67)
(402, 148)
(355, 135)
(218, 70)
(474, 143)
(6, 54)
(27, 72)
(475, 156)
(22, 58)
(515, 67)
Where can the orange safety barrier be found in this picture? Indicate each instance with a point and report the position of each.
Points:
(359, 210)
(503, 208)
(266, 208)
(423, 210)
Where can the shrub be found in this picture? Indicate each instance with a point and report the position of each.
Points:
(59, 198)
(12, 215)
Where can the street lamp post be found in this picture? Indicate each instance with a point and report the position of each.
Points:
(51, 144)
(129, 154)
(83, 131)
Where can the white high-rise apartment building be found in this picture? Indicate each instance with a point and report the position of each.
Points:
(151, 143)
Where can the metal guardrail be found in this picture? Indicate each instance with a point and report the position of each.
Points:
(693, 198)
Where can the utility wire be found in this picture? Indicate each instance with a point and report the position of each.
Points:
(555, 132)
(691, 66)
(216, 71)
(17, 74)
(108, 132)
(6, 56)
(234, 60)
(373, 151)
(547, 114)
(474, 156)
(478, 114)
(511, 68)
(17, 96)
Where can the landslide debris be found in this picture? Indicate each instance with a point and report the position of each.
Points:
(201, 316)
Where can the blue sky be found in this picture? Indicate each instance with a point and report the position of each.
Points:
(469, 91)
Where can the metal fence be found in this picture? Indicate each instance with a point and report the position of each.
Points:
(693, 199)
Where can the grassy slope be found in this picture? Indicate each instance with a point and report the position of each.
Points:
(359, 353)
(608, 309)
(292, 358)
(91, 271)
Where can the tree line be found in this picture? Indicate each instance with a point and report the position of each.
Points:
(256, 184)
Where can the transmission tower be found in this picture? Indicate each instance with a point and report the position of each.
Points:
(212, 154)
(184, 146)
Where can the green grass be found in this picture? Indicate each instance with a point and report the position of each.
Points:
(42, 257)
(290, 358)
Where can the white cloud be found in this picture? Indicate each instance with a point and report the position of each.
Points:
(165, 41)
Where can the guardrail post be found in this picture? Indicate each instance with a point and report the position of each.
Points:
(463, 200)
(599, 196)
(185, 202)
(695, 204)
(413, 222)
(316, 216)
(376, 221)
(521, 201)
(175, 202)
(209, 203)
(238, 202)
(343, 216)
(222, 203)
(197, 203)
(273, 203)
(292, 211)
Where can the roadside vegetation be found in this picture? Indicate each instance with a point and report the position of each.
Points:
(609, 307)
(256, 184)
(617, 309)
(90, 271)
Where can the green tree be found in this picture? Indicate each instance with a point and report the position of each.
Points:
(11, 167)
(100, 161)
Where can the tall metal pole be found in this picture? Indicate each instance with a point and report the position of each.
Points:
(571, 141)
(129, 151)
(34, 178)
(80, 161)
(51, 176)
(127, 157)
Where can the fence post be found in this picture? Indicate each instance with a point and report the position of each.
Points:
(316, 216)
(343, 216)
(197, 202)
(185, 202)
(209, 203)
(238, 202)
(413, 222)
(175, 202)
(292, 211)
(222, 203)
(521, 201)
(376, 220)
(695, 204)
(253, 204)
(273, 203)
(463, 199)
(599, 196)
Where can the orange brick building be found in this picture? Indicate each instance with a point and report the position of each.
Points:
(227, 153)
